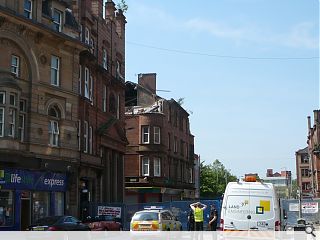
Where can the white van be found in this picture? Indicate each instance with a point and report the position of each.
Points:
(250, 205)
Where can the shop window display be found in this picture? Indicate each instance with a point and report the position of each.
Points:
(6, 208)
(59, 203)
(40, 205)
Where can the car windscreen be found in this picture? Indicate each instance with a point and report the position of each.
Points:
(146, 216)
(48, 220)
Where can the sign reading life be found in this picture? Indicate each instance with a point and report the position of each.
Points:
(32, 180)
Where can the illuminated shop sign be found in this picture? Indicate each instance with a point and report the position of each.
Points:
(32, 180)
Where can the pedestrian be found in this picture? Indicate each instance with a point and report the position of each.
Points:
(213, 219)
(190, 220)
(198, 209)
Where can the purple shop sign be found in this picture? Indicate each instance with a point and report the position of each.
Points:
(32, 180)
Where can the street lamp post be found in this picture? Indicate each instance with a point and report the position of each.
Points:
(299, 201)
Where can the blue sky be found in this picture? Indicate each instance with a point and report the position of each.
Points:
(247, 69)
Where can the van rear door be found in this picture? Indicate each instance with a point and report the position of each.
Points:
(262, 215)
(236, 212)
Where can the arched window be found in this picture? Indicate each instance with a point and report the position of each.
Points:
(53, 130)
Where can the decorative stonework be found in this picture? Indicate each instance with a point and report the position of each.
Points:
(21, 29)
(40, 131)
(38, 37)
(2, 20)
(5, 42)
(43, 59)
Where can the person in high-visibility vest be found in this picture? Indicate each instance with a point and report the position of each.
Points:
(198, 214)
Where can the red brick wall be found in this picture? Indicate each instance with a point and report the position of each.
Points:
(132, 165)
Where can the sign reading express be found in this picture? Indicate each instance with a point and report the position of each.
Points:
(32, 180)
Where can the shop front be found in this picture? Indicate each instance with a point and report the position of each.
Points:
(26, 196)
(143, 194)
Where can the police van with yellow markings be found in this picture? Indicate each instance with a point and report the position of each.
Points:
(155, 219)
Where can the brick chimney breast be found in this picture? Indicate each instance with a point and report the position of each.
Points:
(110, 9)
(316, 116)
(269, 172)
(97, 7)
(148, 81)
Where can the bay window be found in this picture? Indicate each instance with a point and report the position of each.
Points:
(145, 134)
(157, 167)
(57, 20)
(145, 166)
(15, 65)
(22, 119)
(156, 135)
(90, 140)
(79, 80)
(87, 36)
(55, 70)
(85, 137)
(53, 128)
(27, 9)
(79, 135)
(2, 98)
(104, 99)
(53, 133)
(86, 83)
(12, 122)
(104, 59)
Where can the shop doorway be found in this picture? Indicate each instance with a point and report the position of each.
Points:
(25, 210)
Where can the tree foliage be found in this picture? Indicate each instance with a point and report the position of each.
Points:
(213, 179)
(180, 101)
(122, 5)
(294, 189)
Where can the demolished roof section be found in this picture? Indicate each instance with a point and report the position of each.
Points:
(157, 107)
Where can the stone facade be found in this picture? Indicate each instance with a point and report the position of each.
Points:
(61, 105)
(101, 102)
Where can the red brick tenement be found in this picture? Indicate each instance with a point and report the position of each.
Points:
(159, 161)
(101, 89)
(314, 154)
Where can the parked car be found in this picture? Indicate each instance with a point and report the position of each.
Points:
(58, 223)
(103, 223)
(155, 219)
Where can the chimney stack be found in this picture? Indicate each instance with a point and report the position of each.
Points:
(110, 10)
(309, 123)
(269, 172)
(97, 8)
(120, 23)
(316, 116)
(148, 81)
